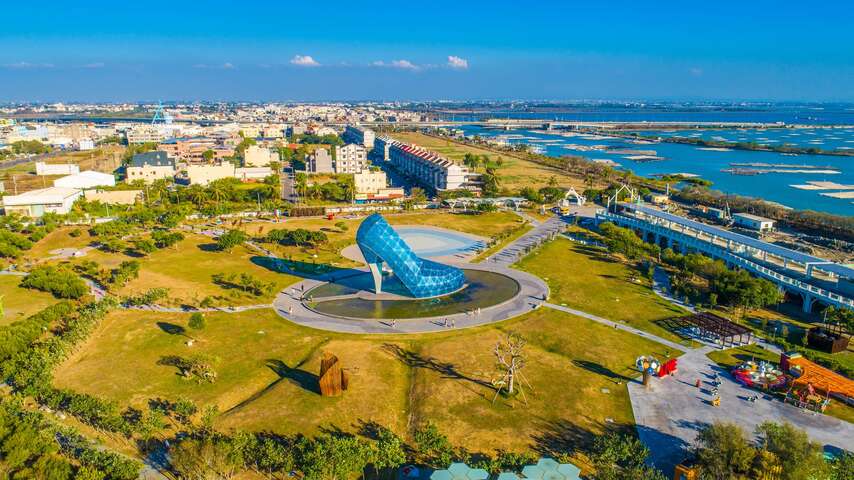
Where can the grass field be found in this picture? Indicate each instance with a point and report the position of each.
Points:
(398, 381)
(59, 238)
(18, 302)
(586, 279)
(514, 172)
(188, 269)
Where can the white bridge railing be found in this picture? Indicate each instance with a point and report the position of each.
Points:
(726, 255)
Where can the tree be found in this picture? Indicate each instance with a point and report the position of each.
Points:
(197, 321)
(333, 456)
(618, 456)
(211, 457)
(510, 360)
(433, 447)
(417, 194)
(208, 155)
(230, 239)
(389, 450)
(341, 226)
(843, 467)
(723, 452)
(799, 458)
(144, 246)
(491, 181)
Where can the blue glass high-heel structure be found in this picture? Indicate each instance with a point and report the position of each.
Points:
(423, 278)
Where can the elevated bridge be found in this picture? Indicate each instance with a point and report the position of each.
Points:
(812, 278)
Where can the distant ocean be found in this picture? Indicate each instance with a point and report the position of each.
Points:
(801, 190)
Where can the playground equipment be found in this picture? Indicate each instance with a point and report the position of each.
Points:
(810, 380)
(762, 376)
(648, 365)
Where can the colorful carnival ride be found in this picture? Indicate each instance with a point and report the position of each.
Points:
(761, 375)
(805, 384)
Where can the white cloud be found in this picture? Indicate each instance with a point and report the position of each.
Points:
(695, 71)
(402, 64)
(25, 65)
(304, 61)
(457, 62)
(405, 64)
(94, 65)
(224, 66)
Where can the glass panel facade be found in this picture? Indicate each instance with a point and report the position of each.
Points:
(423, 278)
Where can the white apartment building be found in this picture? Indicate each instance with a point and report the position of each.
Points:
(36, 203)
(246, 174)
(372, 185)
(144, 134)
(150, 166)
(429, 168)
(256, 156)
(205, 174)
(350, 158)
(362, 136)
(320, 162)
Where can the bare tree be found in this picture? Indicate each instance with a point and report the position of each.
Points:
(511, 361)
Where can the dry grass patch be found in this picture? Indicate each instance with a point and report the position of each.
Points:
(293, 404)
(18, 302)
(120, 361)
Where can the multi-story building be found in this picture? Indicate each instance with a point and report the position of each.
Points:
(429, 168)
(362, 136)
(372, 185)
(256, 156)
(144, 134)
(320, 162)
(350, 158)
(150, 166)
(205, 174)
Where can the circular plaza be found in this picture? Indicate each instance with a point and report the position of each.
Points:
(416, 279)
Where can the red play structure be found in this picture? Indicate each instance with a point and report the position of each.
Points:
(667, 368)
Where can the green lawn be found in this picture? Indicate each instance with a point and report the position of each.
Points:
(188, 269)
(586, 279)
(733, 356)
(395, 380)
(18, 302)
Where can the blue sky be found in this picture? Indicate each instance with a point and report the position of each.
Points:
(280, 50)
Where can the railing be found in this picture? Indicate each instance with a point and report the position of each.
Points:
(724, 254)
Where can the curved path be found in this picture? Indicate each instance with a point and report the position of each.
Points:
(532, 294)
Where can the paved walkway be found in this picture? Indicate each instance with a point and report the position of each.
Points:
(670, 412)
(619, 326)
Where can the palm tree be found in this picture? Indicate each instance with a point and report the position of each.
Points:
(491, 182)
(217, 192)
(197, 194)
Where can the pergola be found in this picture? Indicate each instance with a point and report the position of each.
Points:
(715, 327)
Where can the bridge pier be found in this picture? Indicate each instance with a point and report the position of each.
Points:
(809, 300)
